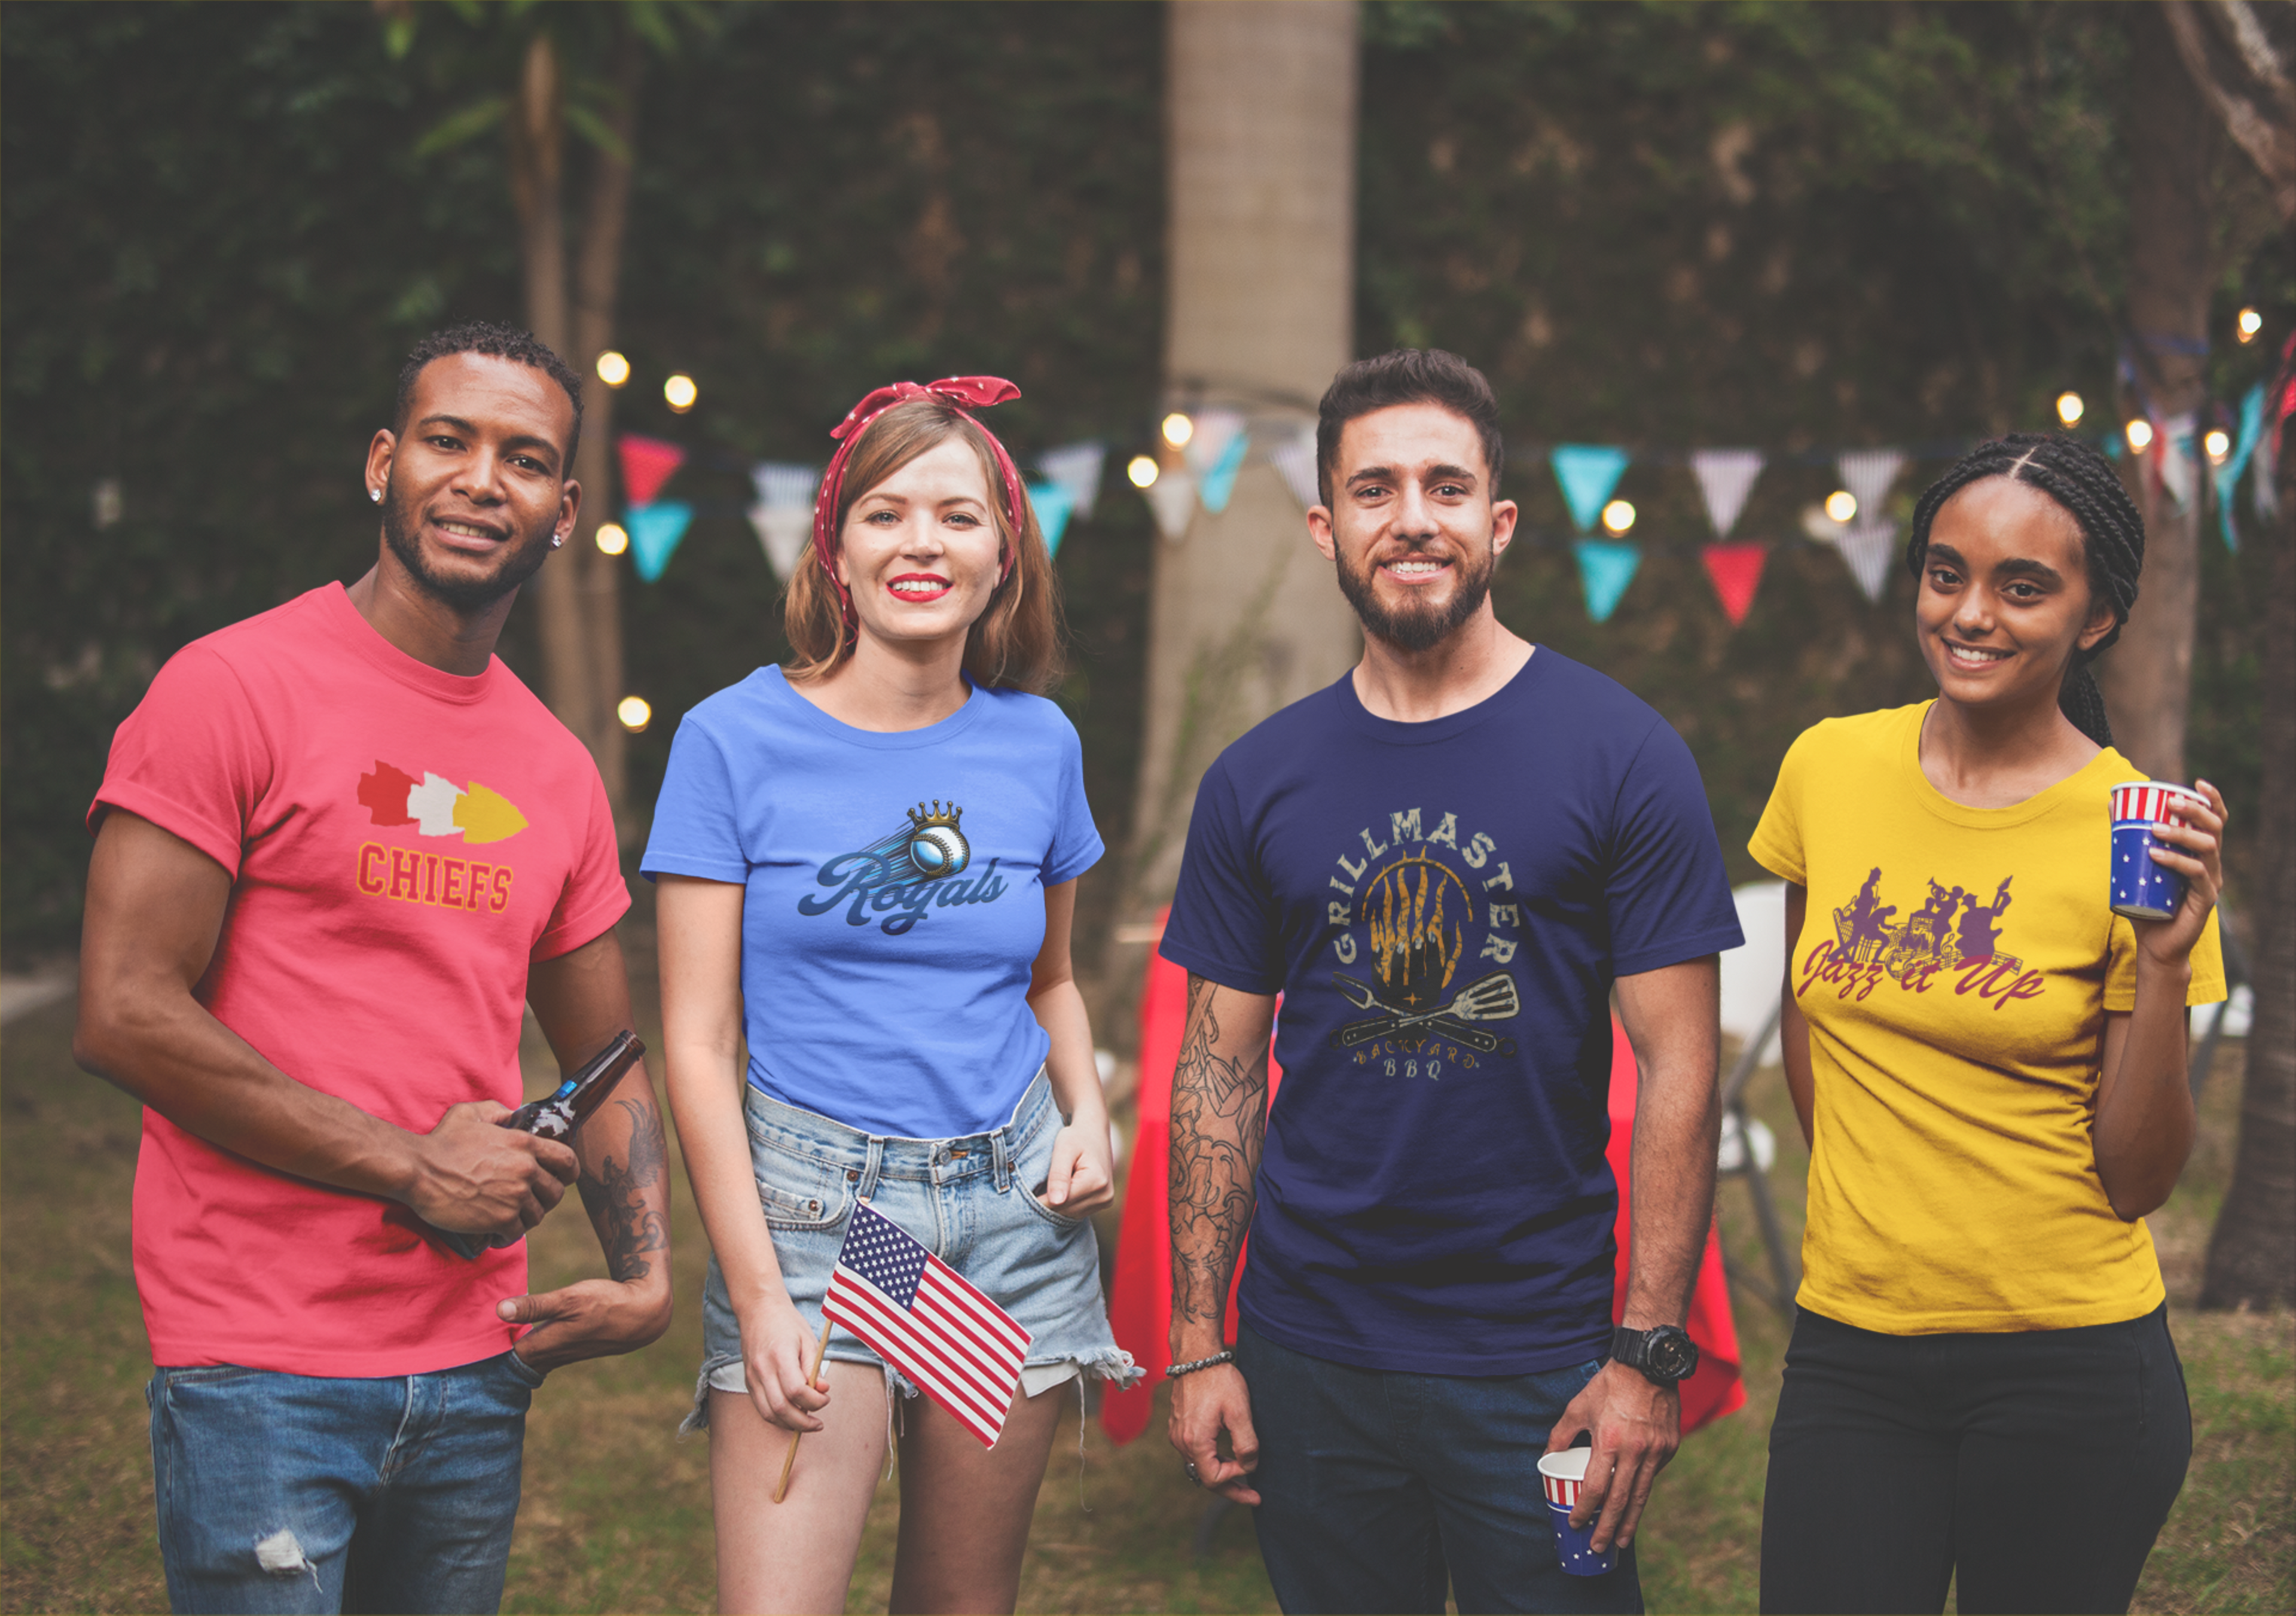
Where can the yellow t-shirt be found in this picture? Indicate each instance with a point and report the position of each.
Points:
(1954, 965)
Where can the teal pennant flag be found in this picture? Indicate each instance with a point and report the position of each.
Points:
(1220, 483)
(1605, 568)
(1588, 472)
(1053, 505)
(655, 533)
(2228, 474)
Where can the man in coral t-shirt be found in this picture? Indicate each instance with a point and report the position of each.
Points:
(340, 848)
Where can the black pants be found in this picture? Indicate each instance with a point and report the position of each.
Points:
(2038, 1467)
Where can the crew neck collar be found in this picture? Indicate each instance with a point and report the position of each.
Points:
(1428, 732)
(366, 641)
(775, 687)
(2091, 779)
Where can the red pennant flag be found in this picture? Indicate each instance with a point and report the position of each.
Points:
(1736, 573)
(646, 465)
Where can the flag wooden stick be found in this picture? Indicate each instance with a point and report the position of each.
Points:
(813, 1377)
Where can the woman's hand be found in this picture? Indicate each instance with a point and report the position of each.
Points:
(776, 1352)
(2201, 862)
(1083, 1176)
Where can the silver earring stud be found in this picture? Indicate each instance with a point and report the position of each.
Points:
(375, 495)
(557, 541)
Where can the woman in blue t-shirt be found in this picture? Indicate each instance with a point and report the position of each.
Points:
(868, 865)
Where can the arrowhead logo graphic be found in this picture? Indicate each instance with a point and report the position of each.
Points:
(437, 807)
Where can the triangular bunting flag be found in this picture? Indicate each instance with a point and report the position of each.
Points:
(1173, 498)
(2264, 480)
(1076, 469)
(1868, 547)
(646, 465)
(1869, 474)
(783, 486)
(1215, 430)
(1725, 477)
(1294, 460)
(2228, 475)
(1052, 505)
(1605, 568)
(655, 531)
(1588, 472)
(784, 532)
(2177, 467)
(1220, 483)
(1735, 571)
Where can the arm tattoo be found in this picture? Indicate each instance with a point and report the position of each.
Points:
(617, 1200)
(1220, 1117)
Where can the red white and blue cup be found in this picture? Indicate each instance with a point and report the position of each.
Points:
(1564, 1474)
(2142, 889)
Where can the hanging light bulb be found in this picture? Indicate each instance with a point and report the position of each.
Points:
(2070, 407)
(2248, 323)
(679, 392)
(1841, 504)
(2218, 444)
(613, 538)
(1178, 429)
(613, 369)
(1617, 516)
(1141, 470)
(2140, 435)
(635, 712)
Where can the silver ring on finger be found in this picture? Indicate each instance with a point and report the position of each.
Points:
(1191, 1468)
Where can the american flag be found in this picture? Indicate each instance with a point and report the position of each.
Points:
(922, 1317)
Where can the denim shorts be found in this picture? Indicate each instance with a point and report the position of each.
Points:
(968, 1201)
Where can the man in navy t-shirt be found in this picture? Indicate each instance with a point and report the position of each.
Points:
(1445, 863)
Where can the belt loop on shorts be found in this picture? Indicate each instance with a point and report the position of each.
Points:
(1001, 1154)
(871, 1168)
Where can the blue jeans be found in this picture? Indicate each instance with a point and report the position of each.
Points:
(1378, 1488)
(297, 1493)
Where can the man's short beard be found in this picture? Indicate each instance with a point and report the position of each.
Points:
(399, 528)
(1416, 627)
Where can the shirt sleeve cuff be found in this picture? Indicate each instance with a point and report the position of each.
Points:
(1068, 869)
(1216, 970)
(1676, 950)
(687, 864)
(586, 927)
(172, 816)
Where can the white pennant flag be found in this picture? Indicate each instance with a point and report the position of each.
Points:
(1868, 474)
(1216, 429)
(2180, 472)
(1294, 460)
(1725, 477)
(782, 516)
(1075, 470)
(1173, 498)
(1868, 547)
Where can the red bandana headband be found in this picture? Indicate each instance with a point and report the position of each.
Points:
(968, 394)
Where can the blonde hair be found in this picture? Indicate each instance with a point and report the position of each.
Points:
(1015, 643)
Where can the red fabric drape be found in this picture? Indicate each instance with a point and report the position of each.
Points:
(1140, 1308)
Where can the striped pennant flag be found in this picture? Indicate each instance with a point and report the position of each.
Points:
(924, 1319)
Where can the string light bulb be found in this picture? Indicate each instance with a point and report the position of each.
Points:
(2248, 323)
(1178, 429)
(613, 369)
(1841, 505)
(2070, 407)
(1617, 516)
(635, 712)
(613, 538)
(1141, 470)
(2218, 444)
(679, 392)
(2140, 435)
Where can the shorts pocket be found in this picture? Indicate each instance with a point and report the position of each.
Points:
(800, 1191)
(1059, 1220)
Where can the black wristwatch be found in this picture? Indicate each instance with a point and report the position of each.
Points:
(1665, 1355)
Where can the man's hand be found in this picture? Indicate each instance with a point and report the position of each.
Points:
(1205, 1405)
(589, 1319)
(473, 1177)
(1636, 1426)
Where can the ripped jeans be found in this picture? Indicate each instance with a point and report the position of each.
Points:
(299, 1493)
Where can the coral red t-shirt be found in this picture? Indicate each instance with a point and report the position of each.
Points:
(403, 843)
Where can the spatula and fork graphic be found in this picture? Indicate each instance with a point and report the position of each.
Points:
(1490, 998)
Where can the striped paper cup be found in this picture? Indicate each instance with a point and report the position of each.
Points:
(1563, 1475)
(2143, 890)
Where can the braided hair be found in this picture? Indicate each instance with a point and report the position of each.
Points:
(2113, 538)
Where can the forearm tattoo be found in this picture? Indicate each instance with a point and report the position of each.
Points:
(619, 1199)
(1219, 1119)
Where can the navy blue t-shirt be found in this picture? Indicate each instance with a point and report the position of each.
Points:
(1444, 906)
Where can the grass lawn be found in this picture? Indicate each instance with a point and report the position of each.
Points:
(617, 1511)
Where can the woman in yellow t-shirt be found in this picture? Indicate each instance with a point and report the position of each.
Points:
(1989, 1067)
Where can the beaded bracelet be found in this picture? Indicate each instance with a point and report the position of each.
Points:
(1176, 1370)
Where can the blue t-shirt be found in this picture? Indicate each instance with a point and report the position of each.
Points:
(1444, 906)
(894, 893)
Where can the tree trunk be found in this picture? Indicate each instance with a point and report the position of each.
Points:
(2252, 1254)
(2147, 678)
(1245, 617)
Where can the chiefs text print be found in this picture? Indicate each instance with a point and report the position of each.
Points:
(1425, 924)
(905, 874)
